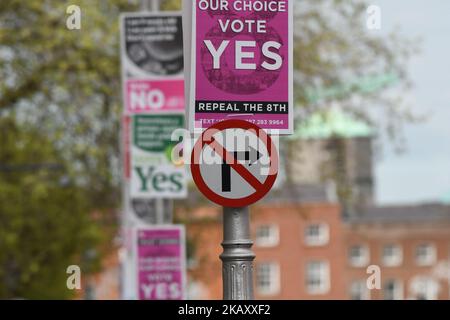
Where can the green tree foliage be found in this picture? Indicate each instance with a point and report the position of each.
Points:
(67, 82)
(171, 5)
(334, 48)
(60, 102)
(44, 217)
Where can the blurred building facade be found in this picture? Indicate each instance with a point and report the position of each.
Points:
(317, 242)
(313, 241)
(305, 250)
(411, 244)
(290, 259)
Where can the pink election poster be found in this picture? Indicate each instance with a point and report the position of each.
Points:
(161, 263)
(153, 96)
(242, 63)
(152, 62)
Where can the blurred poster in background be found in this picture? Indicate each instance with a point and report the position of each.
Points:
(161, 263)
(154, 106)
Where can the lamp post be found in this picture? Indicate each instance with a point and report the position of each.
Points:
(237, 257)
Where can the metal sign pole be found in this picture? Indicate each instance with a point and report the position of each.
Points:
(237, 257)
(150, 5)
(162, 217)
(235, 197)
(155, 5)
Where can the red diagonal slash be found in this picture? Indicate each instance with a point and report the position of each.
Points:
(238, 167)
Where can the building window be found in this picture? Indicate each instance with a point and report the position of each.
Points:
(392, 255)
(267, 236)
(317, 234)
(359, 290)
(424, 288)
(268, 278)
(393, 290)
(318, 277)
(425, 254)
(359, 256)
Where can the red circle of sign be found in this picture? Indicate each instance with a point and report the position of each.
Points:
(210, 194)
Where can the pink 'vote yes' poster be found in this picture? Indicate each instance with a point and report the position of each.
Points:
(161, 263)
(241, 63)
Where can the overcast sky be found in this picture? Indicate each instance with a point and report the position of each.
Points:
(423, 172)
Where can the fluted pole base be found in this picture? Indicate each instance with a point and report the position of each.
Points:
(237, 257)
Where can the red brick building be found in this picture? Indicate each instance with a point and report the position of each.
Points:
(280, 266)
(410, 244)
(305, 250)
